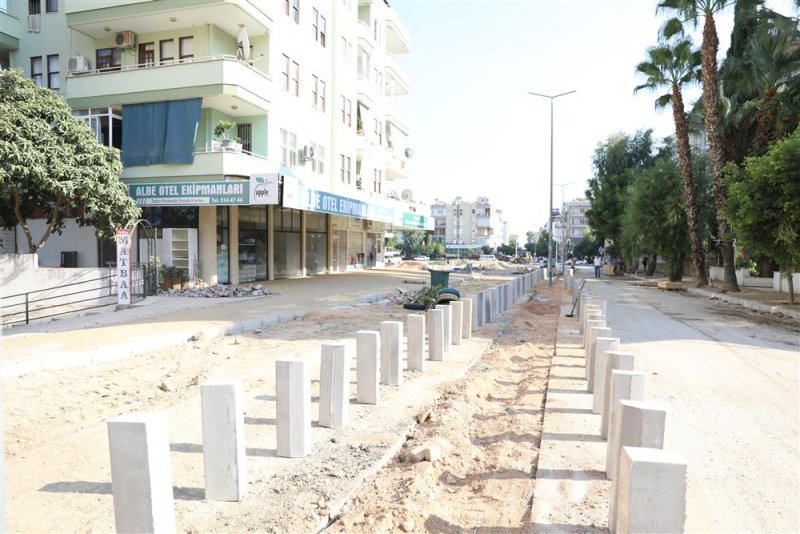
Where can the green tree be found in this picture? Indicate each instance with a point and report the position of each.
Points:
(764, 204)
(692, 11)
(674, 65)
(530, 237)
(412, 242)
(541, 244)
(587, 248)
(51, 164)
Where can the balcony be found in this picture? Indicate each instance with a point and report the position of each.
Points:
(365, 35)
(395, 165)
(222, 80)
(396, 115)
(397, 36)
(10, 30)
(216, 163)
(397, 76)
(365, 90)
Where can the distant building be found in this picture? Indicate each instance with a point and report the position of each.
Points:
(574, 220)
(462, 224)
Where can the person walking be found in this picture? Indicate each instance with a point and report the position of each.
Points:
(598, 263)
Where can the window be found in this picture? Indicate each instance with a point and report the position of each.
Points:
(108, 59)
(245, 134)
(379, 83)
(347, 111)
(319, 155)
(322, 95)
(36, 71)
(285, 72)
(314, 90)
(52, 6)
(166, 51)
(53, 74)
(34, 7)
(295, 11)
(296, 77)
(186, 48)
(147, 54)
(346, 164)
(320, 27)
(377, 180)
(315, 23)
(346, 56)
(378, 131)
(288, 148)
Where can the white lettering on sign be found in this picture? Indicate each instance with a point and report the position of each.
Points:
(123, 237)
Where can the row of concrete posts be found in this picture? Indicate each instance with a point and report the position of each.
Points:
(141, 473)
(648, 483)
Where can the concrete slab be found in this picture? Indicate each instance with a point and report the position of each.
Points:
(368, 367)
(224, 460)
(334, 386)
(293, 408)
(391, 353)
(415, 352)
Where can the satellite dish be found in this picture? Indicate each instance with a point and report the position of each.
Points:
(242, 45)
(407, 194)
(409, 153)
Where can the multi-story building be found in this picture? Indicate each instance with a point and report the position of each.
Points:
(465, 225)
(298, 185)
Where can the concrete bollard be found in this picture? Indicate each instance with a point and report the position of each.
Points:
(469, 317)
(416, 342)
(585, 299)
(447, 318)
(367, 367)
(334, 386)
(651, 491)
(480, 309)
(589, 309)
(496, 310)
(391, 353)
(592, 315)
(488, 307)
(597, 380)
(141, 473)
(501, 297)
(636, 424)
(222, 408)
(457, 308)
(592, 331)
(293, 407)
(623, 385)
(436, 334)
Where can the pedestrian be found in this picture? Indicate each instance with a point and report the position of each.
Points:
(598, 263)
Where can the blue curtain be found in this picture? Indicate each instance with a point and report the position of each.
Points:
(159, 132)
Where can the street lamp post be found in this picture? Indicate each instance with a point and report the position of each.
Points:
(550, 215)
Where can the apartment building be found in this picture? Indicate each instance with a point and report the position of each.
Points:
(261, 138)
(465, 225)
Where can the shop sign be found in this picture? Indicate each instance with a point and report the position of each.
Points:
(413, 220)
(322, 202)
(261, 189)
(123, 237)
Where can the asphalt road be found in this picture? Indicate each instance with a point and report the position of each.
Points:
(730, 388)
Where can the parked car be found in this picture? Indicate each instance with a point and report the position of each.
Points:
(486, 257)
(580, 262)
(421, 258)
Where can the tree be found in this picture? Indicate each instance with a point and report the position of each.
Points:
(530, 237)
(764, 204)
(541, 245)
(587, 248)
(673, 66)
(51, 164)
(692, 11)
(412, 243)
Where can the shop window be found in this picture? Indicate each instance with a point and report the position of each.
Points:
(223, 245)
(252, 243)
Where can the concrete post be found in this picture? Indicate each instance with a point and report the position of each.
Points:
(334, 386)
(293, 406)
(457, 324)
(469, 317)
(141, 473)
(636, 424)
(598, 379)
(509, 295)
(624, 385)
(480, 309)
(416, 342)
(500, 300)
(436, 334)
(222, 408)
(447, 317)
(391, 353)
(592, 331)
(495, 302)
(588, 309)
(591, 315)
(651, 491)
(619, 361)
(585, 299)
(367, 370)
(488, 307)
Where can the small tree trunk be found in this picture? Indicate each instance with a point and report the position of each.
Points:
(32, 248)
(651, 265)
(728, 266)
(790, 287)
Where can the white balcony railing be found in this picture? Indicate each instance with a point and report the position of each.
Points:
(210, 163)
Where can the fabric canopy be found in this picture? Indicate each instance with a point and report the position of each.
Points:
(160, 132)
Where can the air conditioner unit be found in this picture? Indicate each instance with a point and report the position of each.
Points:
(125, 39)
(407, 195)
(307, 153)
(34, 23)
(78, 65)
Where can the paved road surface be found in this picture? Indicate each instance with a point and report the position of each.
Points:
(731, 392)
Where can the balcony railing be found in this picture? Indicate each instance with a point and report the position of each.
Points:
(206, 162)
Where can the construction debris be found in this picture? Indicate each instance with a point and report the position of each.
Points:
(217, 291)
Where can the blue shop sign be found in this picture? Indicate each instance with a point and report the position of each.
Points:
(322, 202)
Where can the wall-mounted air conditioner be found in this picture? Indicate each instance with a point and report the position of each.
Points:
(78, 65)
(307, 153)
(125, 39)
(34, 23)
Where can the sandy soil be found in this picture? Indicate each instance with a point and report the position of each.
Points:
(56, 452)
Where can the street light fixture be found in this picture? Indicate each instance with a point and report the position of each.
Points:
(550, 215)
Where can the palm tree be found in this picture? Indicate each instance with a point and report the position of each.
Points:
(691, 11)
(673, 67)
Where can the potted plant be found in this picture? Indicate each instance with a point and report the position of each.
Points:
(221, 134)
(171, 277)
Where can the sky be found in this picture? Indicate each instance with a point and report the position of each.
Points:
(475, 130)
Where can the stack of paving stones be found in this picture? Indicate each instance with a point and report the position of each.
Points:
(648, 483)
(217, 291)
(141, 472)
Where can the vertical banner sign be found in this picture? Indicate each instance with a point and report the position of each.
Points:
(123, 236)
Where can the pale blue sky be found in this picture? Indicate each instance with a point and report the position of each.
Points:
(475, 130)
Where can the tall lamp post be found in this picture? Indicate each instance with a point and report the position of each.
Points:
(550, 215)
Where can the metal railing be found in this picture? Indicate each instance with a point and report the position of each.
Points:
(69, 298)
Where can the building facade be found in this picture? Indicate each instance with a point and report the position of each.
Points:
(263, 139)
(466, 225)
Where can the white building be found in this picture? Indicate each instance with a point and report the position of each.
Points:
(316, 90)
(465, 225)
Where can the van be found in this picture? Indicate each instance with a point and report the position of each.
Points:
(486, 257)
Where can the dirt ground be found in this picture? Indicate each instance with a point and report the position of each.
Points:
(487, 424)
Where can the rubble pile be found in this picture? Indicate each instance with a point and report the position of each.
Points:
(217, 291)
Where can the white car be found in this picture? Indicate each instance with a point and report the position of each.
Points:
(421, 258)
